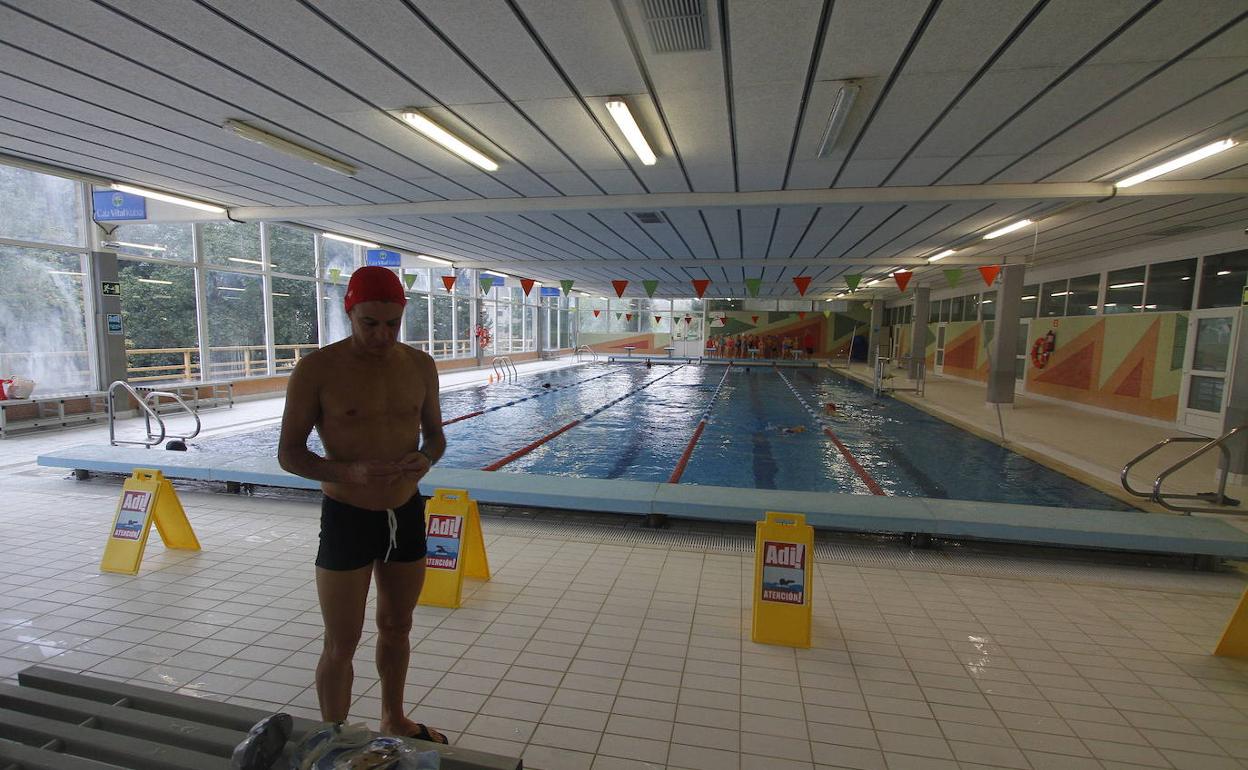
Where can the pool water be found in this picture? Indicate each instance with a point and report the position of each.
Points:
(760, 434)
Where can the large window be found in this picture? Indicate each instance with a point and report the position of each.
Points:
(232, 245)
(1085, 293)
(235, 325)
(1124, 290)
(1053, 302)
(443, 322)
(294, 321)
(40, 208)
(155, 241)
(1030, 300)
(158, 314)
(43, 331)
(416, 321)
(291, 250)
(1170, 285)
(1223, 278)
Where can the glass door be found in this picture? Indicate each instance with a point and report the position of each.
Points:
(940, 349)
(1206, 364)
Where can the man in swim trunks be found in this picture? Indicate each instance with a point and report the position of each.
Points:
(372, 401)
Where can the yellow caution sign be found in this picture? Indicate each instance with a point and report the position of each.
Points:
(1234, 641)
(454, 547)
(145, 496)
(783, 560)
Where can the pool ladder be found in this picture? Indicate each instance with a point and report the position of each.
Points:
(1164, 499)
(504, 367)
(881, 363)
(149, 404)
(586, 349)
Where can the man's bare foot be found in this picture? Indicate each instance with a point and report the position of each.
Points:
(406, 728)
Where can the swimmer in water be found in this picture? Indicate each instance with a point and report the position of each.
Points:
(829, 408)
(796, 429)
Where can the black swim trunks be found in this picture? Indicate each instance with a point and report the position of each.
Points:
(354, 537)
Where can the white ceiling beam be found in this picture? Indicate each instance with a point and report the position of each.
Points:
(658, 263)
(1043, 191)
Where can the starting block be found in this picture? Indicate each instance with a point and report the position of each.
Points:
(146, 496)
(784, 546)
(454, 547)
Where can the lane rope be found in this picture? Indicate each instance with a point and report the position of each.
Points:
(542, 392)
(697, 433)
(866, 477)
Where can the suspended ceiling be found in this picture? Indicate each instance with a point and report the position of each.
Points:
(954, 92)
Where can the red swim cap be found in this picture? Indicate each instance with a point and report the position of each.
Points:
(374, 284)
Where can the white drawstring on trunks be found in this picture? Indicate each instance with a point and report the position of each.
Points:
(393, 521)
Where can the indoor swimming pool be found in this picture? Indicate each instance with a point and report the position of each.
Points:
(764, 430)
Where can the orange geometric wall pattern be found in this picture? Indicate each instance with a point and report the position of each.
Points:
(964, 352)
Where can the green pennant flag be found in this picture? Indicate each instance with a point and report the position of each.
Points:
(752, 284)
(566, 286)
(410, 280)
(827, 313)
(852, 281)
(618, 316)
(334, 273)
(650, 287)
(487, 283)
(953, 275)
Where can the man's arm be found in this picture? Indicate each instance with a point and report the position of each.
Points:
(433, 443)
(303, 409)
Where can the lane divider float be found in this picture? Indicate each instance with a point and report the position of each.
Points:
(543, 392)
(697, 433)
(866, 477)
(521, 452)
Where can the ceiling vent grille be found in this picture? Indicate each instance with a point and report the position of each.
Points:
(648, 217)
(1176, 230)
(676, 25)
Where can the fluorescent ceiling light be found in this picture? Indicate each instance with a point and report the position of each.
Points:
(64, 272)
(872, 283)
(1186, 278)
(1130, 285)
(1091, 307)
(842, 103)
(448, 140)
(167, 198)
(435, 260)
(1029, 296)
(280, 294)
(154, 280)
(253, 134)
(986, 302)
(1019, 225)
(143, 246)
(1179, 162)
(347, 239)
(941, 255)
(1224, 272)
(1111, 304)
(1059, 294)
(246, 261)
(229, 288)
(623, 118)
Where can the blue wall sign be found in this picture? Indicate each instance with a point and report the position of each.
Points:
(114, 323)
(383, 258)
(111, 205)
(550, 291)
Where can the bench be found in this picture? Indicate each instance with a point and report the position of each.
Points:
(53, 411)
(59, 720)
(197, 395)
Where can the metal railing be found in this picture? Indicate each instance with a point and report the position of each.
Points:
(1156, 495)
(586, 349)
(881, 376)
(149, 404)
(504, 367)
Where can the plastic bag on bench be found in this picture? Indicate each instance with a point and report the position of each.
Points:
(352, 747)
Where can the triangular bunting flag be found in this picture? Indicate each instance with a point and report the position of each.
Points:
(487, 283)
(658, 319)
(902, 277)
(597, 313)
(334, 273)
(620, 286)
(688, 319)
(700, 284)
(527, 285)
(618, 316)
(752, 284)
(628, 316)
(410, 280)
(953, 275)
(827, 314)
(723, 320)
(802, 282)
(566, 286)
(754, 318)
(989, 272)
(650, 286)
(852, 281)
(449, 282)
(801, 315)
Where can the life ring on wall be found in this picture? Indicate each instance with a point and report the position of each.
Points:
(1042, 349)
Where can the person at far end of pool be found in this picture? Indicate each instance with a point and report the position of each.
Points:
(374, 403)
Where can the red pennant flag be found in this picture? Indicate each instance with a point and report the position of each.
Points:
(449, 282)
(700, 284)
(597, 313)
(902, 277)
(527, 285)
(628, 316)
(754, 318)
(658, 319)
(688, 319)
(989, 272)
(801, 315)
(620, 286)
(802, 282)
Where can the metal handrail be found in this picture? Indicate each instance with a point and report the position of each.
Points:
(920, 384)
(586, 349)
(153, 397)
(149, 415)
(503, 366)
(1156, 495)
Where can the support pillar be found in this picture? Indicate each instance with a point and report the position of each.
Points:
(877, 326)
(1237, 406)
(110, 339)
(1005, 341)
(918, 329)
